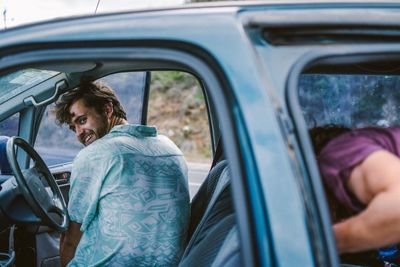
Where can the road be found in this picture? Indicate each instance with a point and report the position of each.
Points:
(197, 174)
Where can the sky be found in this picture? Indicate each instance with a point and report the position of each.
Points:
(18, 12)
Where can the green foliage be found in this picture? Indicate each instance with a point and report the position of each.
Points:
(178, 109)
(165, 80)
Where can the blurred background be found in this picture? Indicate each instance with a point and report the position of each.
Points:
(19, 12)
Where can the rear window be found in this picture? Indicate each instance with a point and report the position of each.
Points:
(350, 100)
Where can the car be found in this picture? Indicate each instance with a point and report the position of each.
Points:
(264, 73)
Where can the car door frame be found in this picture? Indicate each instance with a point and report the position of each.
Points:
(351, 52)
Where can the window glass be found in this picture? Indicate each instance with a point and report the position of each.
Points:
(57, 144)
(129, 87)
(177, 107)
(350, 100)
(9, 126)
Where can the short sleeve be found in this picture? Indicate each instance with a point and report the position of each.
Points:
(339, 157)
(86, 182)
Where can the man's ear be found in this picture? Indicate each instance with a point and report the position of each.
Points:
(109, 109)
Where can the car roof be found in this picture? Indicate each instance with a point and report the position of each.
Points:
(210, 7)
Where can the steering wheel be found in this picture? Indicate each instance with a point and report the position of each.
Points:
(38, 186)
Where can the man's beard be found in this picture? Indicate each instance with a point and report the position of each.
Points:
(98, 132)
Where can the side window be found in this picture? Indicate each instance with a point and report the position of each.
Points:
(9, 126)
(177, 107)
(129, 87)
(57, 144)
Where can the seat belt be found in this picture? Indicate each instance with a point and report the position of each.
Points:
(219, 153)
(223, 183)
(201, 200)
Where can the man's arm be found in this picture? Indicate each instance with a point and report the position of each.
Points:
(376, 183)
(69, 241)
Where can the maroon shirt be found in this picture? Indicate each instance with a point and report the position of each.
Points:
(338, 158)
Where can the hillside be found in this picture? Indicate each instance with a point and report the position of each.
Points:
(177, 108)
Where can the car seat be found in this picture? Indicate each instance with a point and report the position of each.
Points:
(213, 235)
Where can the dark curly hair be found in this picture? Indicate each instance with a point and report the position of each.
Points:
(320, 136)
(94, 95)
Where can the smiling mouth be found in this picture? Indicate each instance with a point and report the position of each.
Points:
(89, 139)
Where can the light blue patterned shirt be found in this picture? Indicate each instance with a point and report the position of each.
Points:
(129, 190)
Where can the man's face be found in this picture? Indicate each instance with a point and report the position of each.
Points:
(87, 123)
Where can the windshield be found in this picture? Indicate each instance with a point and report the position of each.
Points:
(14, 83)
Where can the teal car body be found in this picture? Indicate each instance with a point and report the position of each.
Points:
(248, 57)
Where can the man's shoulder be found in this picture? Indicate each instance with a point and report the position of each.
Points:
(96, 149)
(152, 145)
(166, 146)
(122, 143)
(106, 146)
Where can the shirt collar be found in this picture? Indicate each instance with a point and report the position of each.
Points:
(136, 130)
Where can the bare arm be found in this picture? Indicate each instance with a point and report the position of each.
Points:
(376, 183)
(69, 241)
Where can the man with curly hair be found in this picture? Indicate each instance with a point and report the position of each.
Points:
(129, 200)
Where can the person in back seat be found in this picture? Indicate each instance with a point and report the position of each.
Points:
(129, 198)
(360, 169)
